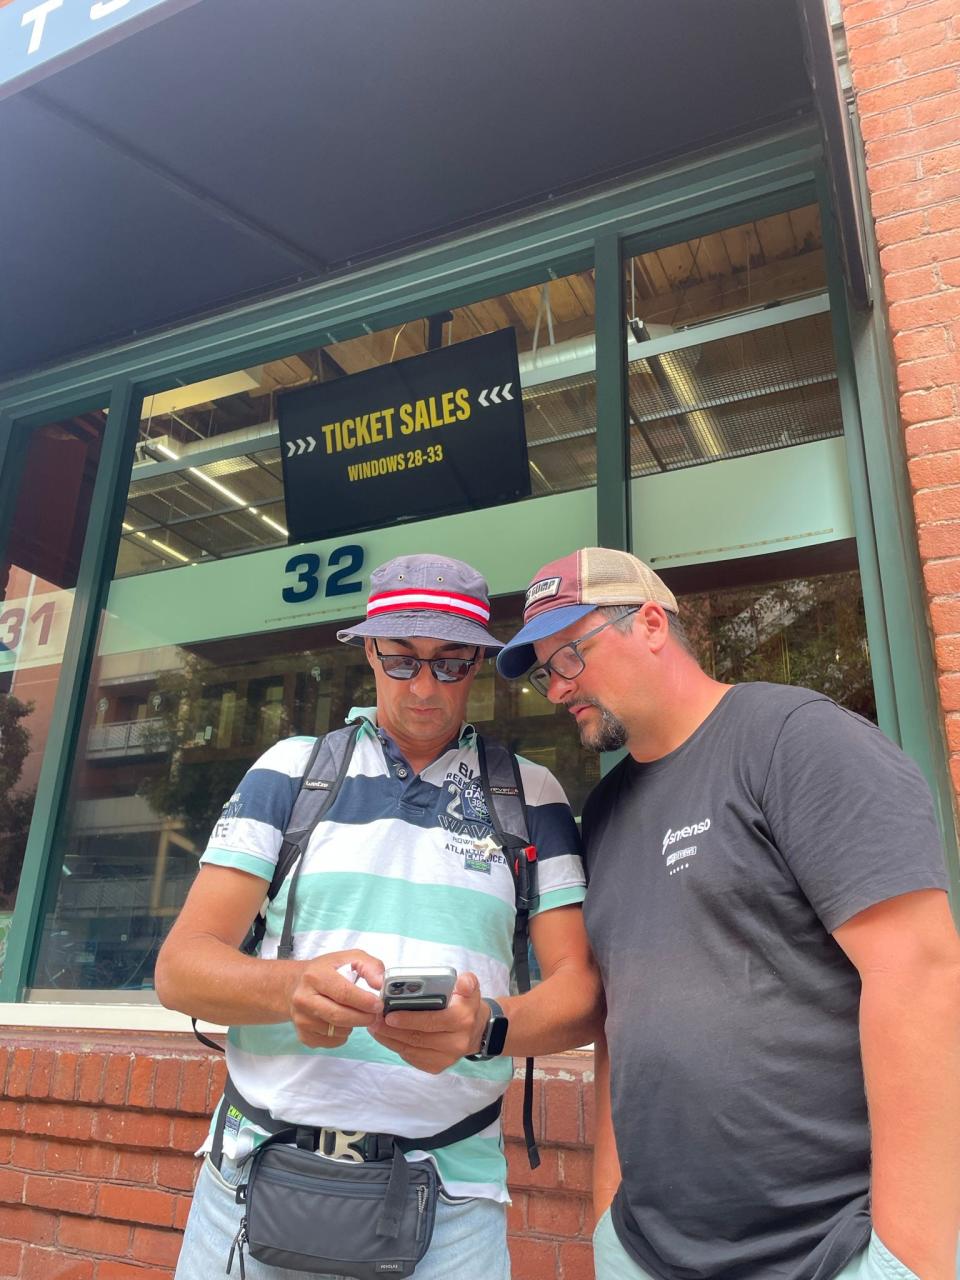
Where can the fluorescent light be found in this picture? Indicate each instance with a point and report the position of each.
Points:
(195, 393)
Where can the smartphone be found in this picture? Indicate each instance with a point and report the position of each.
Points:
(418, 988)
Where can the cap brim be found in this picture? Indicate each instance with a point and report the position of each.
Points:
(517, 657)
(422, 624)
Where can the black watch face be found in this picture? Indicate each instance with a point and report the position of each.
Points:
(496, 1037)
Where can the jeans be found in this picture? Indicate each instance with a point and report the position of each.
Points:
(469, 1238)
(612, 1261)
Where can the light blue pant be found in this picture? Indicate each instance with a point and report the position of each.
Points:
(469, 1238)
(612, 1261)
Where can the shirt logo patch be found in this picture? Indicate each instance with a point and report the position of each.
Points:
(545, 589)
(678, 859)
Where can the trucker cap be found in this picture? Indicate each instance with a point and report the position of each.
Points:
(430, 596)
(566, 590)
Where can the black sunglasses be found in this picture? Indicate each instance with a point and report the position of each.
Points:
(404, 666)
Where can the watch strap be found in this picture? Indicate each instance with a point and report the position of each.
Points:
(496, 1014)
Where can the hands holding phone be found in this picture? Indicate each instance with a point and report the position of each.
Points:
(435, 1039)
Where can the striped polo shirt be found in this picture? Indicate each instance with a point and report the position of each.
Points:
(401, 867)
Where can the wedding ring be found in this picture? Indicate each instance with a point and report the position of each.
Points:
(331, 1029)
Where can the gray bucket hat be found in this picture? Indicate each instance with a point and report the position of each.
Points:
(430, 596)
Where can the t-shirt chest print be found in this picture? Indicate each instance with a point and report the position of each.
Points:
(466, 820)
(682, 844)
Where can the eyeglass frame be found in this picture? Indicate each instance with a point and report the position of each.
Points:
(547, 667)
(432, 663)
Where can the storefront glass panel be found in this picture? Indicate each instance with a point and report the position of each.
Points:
(38, 577)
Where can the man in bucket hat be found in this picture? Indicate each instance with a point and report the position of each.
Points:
(405, 869)
(767, 906)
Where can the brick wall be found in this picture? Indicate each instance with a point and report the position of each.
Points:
(905, 61)
(96, 1157)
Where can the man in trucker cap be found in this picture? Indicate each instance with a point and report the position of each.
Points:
(778, 1085)
(404, 869)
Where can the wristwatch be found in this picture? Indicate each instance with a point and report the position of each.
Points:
(494, 1034)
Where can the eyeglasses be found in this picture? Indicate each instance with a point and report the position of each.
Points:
(567, 661)
(404, 666)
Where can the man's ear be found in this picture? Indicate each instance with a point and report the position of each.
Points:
(656, 625)
(369, 653)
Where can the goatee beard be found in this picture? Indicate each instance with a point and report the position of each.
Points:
(609, 735)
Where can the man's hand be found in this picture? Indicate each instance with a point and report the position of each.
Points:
(325, 1006)
(434, 1041)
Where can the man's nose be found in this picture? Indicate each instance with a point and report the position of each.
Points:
(558, 690)
(423, 683)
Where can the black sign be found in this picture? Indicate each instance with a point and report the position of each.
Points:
(422, 437)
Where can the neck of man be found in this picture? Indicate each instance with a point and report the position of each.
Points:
(417, 751)
(686, 696)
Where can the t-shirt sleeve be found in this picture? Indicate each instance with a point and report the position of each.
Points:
(850, 813)
(560, 875)
(249, 831)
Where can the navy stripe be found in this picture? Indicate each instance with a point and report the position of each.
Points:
(552, 830)
(266, 796)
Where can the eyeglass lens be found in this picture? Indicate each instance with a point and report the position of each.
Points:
(402, 666)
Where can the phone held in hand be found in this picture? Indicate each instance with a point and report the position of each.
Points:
(417, 989)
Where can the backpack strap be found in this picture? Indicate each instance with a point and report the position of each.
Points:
(502, 787)
(320, 784)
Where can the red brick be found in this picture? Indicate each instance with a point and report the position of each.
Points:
(161, 1247)
(193, 1087)
(182, 1211)
(136, 1204)
(576, 1170)
(11, 1186)
(6, 1149)
(938, 504)
(935, 371)
(96, 1161)
(955, 771)
(870, 11)
(948, 652)
(45, 1264)
(140, 1090)
(945, 616)
(945, 217)
(29, 1153)
(950, 692)
(517, 1213)
(900, 229)
(555, 1215)
(894, 174)
(931, 405)
(115, 1079)
(136, 1166)
(938, 540)
(64, 1083)
(6, 1057)
(132, 1129)
(883, 123)
(11, 1258)
(167, 1085)
(921, 251)
(62, 1157)
(920, 15)
(543, 1178)
(18, 1075)
(950, 273)
(90, 1077)
(562, 1118)
(929, 58)
(178, 1172)
(27, 1224)
(925, 194)
(918, 283)
(532, 1259)
(109, 1270)
(870, 33)
(942, 577)
(932, 437)
(946, 160)
(918, 343)
(11, 1117)
(897, 44)
(68, 1195)
(187, 1134)
(513, 1109)
(91, 1235)
(906, 91)
(57, 1120)
(953, 731)
(946, 106)
(215, 1084)
(41, 1073)
(938, 308)
(576, 1260)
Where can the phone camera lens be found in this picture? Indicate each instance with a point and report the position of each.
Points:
(397, 987)
(414, 987)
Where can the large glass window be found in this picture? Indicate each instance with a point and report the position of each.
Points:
(57, 465)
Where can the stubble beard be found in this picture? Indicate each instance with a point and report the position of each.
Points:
(609, 735)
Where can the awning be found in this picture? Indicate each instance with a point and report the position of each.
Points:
(236, 147)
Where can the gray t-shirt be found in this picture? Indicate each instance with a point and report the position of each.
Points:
(716, 875)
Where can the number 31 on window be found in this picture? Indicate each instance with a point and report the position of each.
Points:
(346, 561)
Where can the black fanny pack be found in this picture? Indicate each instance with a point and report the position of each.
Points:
(344, 1204)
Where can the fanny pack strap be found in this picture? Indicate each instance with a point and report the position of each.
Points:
(374, 1146)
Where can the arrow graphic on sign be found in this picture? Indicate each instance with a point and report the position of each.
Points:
(493, 395)
(300, 445)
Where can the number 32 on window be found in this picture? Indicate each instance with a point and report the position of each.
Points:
(346, 561)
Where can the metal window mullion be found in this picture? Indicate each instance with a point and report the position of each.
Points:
(613, 483)
(93, 582)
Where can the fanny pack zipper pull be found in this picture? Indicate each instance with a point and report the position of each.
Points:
(239, 1240)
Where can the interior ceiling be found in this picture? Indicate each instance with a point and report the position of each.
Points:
(237, 147)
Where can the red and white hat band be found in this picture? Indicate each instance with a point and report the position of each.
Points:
(409, 598)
